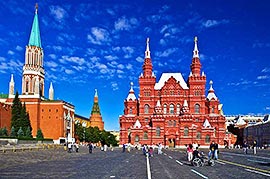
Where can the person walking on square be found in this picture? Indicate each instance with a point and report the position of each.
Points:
(90, 147)
(245, 147)
(69, 147)
(190, 152)
(254, 147)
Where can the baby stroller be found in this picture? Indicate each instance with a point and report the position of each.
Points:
(202, 160)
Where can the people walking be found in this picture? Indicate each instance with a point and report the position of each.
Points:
(245, 147)
(124, 148)
(159, 148)
(213, 153)
(254, 147)
(90, 147)
(189, 152)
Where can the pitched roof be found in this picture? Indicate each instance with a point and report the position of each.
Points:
(165, 76)
(35, 39)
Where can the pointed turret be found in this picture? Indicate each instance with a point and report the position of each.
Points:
(158, 108)
(147, 66)
(185, 108)
(131, 94)
(11, 85)
(196, 65)
(33, 71)
(35, 39)
(211, 93)
(51, 92)
(96, 118)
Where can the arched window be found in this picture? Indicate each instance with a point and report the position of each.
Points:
(171, 108)
(137, 138)
(198, 136)
(178, 109)
(27, 86)
(146, 109)
(207, 139)
(186, 131)
(130, 110)
(145, 135)
(174, 123)
(213, 110)
(158, 131)
(165, 109)
(197, 109)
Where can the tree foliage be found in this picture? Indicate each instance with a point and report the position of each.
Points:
(93, 134)
(20, 118)
(20, 132)
(39, 135)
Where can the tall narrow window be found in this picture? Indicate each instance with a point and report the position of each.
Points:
(137, 138)
(171, 108)
(198, 136)
(165, 109)
(146, 109)
(158, 131)
(207, 139)
(186, 131)
(197, 109)
(130, 110)
(178, 109)
(145, 135)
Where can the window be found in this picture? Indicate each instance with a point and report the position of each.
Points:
(186, 131)
(213, 110)
(171, 108)
(146, 109)
(165, 109)
(137, 138)
(197, 109)
(178, 109)
(207, 139)
(146, 120)
(145, 135)
(130, 110)
(158, 131)
(174, 123)
(198, 136)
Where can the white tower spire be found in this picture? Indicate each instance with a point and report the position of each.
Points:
(147, 51)
(11, 85)
(195, 51)
(51, 92)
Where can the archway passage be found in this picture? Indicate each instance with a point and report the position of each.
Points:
(171, 142)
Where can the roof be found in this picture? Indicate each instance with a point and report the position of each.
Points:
(165, 76)
(35, 39)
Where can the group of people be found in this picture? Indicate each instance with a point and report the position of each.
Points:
(192, 151)
(72, 147)
(254, 146)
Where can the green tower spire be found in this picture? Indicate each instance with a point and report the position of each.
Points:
(95, 109)
(35, 33)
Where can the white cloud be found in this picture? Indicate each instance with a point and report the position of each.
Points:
(76, 60)
(262, 77)
(114, 86)
(154, 19)
(98, 36)
(120, 66)
(52, 56)
(139, 59)
(212, 23)
(128, 51)
(266, 70)
(69, 72)
(58, 13)
(2, 59)
(19, 48)
(129, 66)
(10, 52)
(167, 52)
(124, 23)
(110, 57)
(51, 64)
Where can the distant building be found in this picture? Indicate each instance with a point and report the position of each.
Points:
(54, 117)
(95, 117)
(84, 121)
(172, 111)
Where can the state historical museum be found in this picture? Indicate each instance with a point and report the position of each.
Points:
(172, 111)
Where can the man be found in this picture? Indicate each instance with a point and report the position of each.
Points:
(90, 147)
(245, 147)
(213, 153)
(255, 147)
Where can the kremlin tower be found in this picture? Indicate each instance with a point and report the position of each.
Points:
(95, 117)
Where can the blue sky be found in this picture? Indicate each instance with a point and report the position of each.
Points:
(100, 45)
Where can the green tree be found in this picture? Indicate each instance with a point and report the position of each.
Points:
(25, 121)
(4, 132)
(39, 135)
(28, 132)
(12, 132)
(1, 132)
(16, 113)
(20, 132)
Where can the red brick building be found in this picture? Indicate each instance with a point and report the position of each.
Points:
(95, 117)
(172, 111)
(54, 117)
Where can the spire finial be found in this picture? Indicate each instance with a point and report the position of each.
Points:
(211, 85)
(147, 51)
(36, 6)
(195, 51)
(96, 93)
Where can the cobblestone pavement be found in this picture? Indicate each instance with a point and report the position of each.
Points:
(57, 163)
